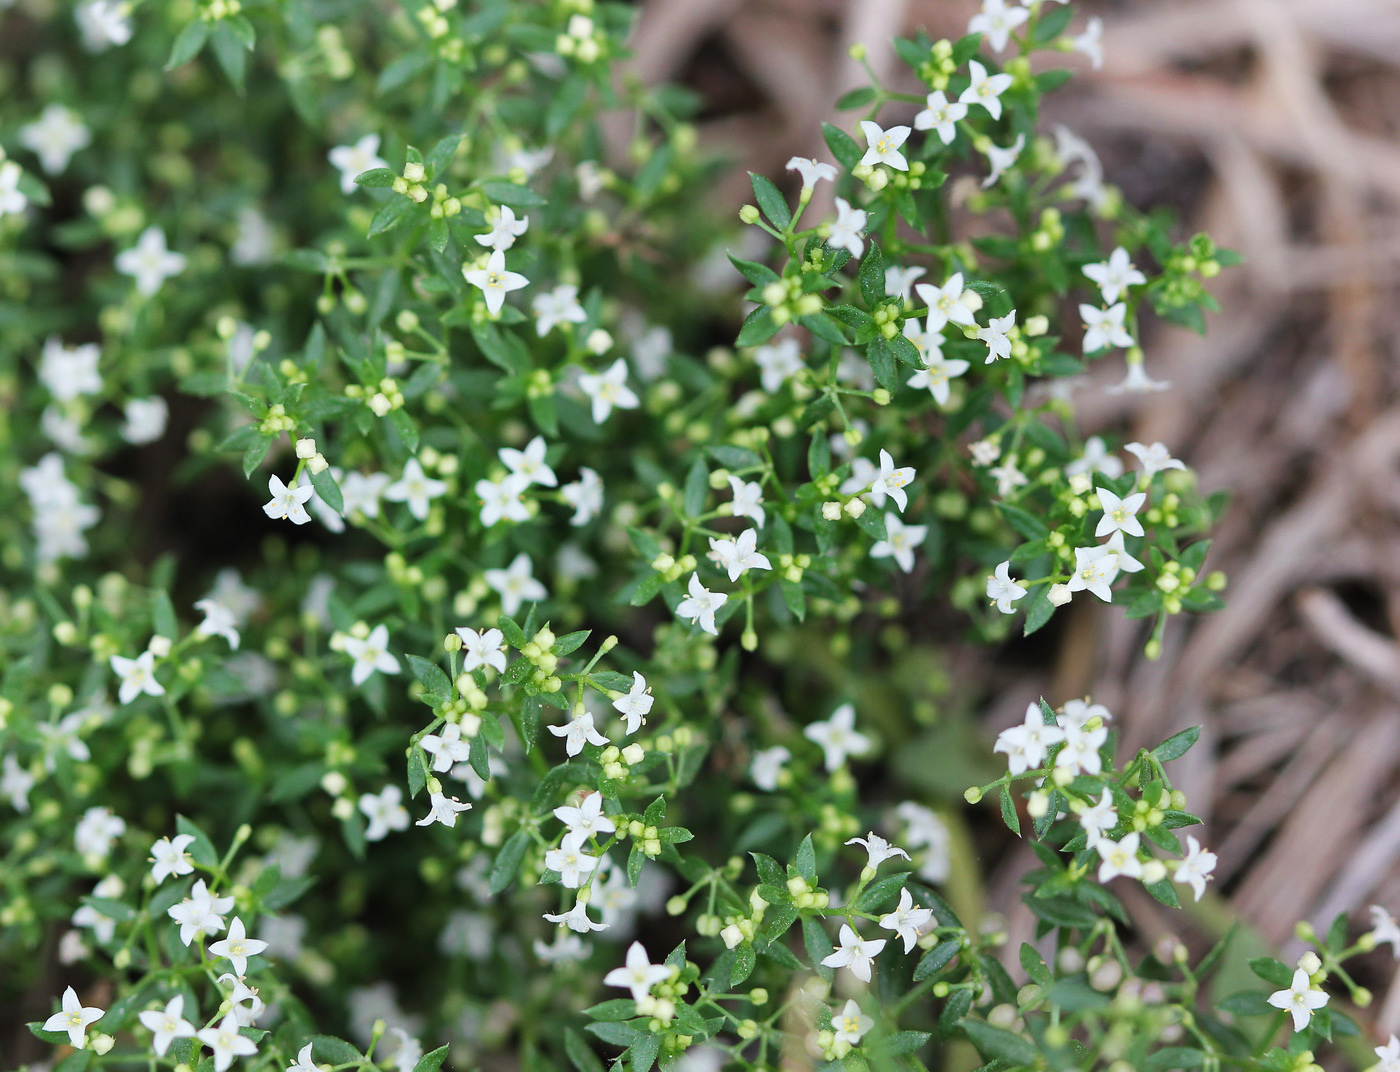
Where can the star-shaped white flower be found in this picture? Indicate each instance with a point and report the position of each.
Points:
(237, 947)
(503, 498)
(855, 953)
(899, 282)
(219, 620)
(137, 675)
(370, 653)
(167, 1024)
(907, 921)
(587, 820)
(890, 481)
(570, 861)
(1028, 743)
(385, 812)
(941, 116)
(416, 489)
(812, 171)
(1154, 458)
(150, 262)
(899, 542)
(700, 606)
(201, 913)
(1095, 459)
(1300, 1000)
(1090, 42)
(1389, 1055)
(1137, 381)
(608, 390)
(639, 974)
(748, 499)
(1119, 858)
(767, 766)
(576, 919)
(997, 336)
(877, 849)
(1095, 569)
(1195, 867)
(442, 809)
(304, 1061)
(1384, 928)
(577, 732)
(1003, 590)
(505, 229)
(1080, 755)
(837, 737)
(288, 503)
(1007, 476)
(636, 704)
(1098, 819)
(985, 89)
(354, 160)
(1115, 275)
(937, 378)
(945, 303)
(1119, 515)
(557, 306)
(883, 145)
(54, 137)
(74, 1019)
(103, 23)
(226, 1042)
(515, 584)
(1001, 159)
(482, 649)
(530, 463)
(778, 362)
(585, 495)
(447, 748)
(848, 231)
(15, 783)
(996, 21)
(169, 857)
(1104, 328)
(494, 281)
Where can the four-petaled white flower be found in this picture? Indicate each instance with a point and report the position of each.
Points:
(996, 21)
(1080, 755)
(482, 649)
(608, 390)
(997, 336)
(503, 498)
(899, 542)
(167, 1024)
(442, 809)
(247, 1006)
(416, 489)
(54, 137)
(1119, 857)
(850, 1024)
(370, 653)
(354, 160)
(226, 1042)
(1003, 590)
(585, 495)
(635, 705)
(288, 503)
(700, 606)
(530, 463)
(515, 584)
(937, 378)
(941, 116)
(883, 145)
(150, 262)
(587, 819)
(1154, 458)
(1008, 477)
(767, 766)
(1195, 867)
(907, 920)
(12, 199)
(1389, 1055)
(945, 303)
(304, 1062)
(778, 362)
(137, 675)
(837, 737)
(1119, 515)
(639, 974)
(16, 782)
(1001, 159)
(1104, 328)
(812, 171)
(739, 555)
(1098, 819)
(200, 913)
(219, 620)
(890, 481)
(494, 281)
(576, 919)
(1095, 459)
(96, 830)
(168, 857)
(146, 419)
(1095, 569)
(748, 500)
(1027, 743)
(70, 371)
(848, 230)
(557, 306)
(447, 748)
(578, 731)
(103, 23)
(855, 953)
(362, 492)
(74, 1018)
(1115, 275)
(505, 229)
(877, 849)
(985, 89)
(899, 282)
(1090, 42)
(570, 861)
(1300, 1000)
(385, 812)
(237, 947)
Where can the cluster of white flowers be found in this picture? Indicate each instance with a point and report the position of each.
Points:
(61, 518)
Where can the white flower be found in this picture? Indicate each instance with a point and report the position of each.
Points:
(200, 913)
(385, 812)
(945, 303)
(778, 362)
(96, 830)
(984, 451)
(1007, 476)
(167, 1024)
(74, 1018)
(494, 281)
(985, 89)
(515, 584)
(890, 481)
(219, 620)
(1003, 590)
(639, 975)
(1095, 569)
(442, 809)
(1099, 819)
(1001, 159)
(169, 857)
(557, 306)
(146, 419)
(12, 198)
(287, 503)
(1080, 755)
(416, 489)
(996, 21)
(1119, 515)
(855, 953)
(899, 282)
(997, 336)
(1119, 858)
(54, 137)
(586, 820)
(1027, 743)
(847, 232)
(837, 737)
(1104, 328)
(447, 748)
(608, 390)
(585, 495)
(850, 1024)
(1095, 458)
(1137, 381)
(883, 145)
(370, 653)
(505, 229)
(767, 765)
(362, 492)
(237, 947)
(103, 23)
(354, 160)
(899, 542)
(936, 379)
(748, 500)
(1115, 275)
(15, 783)
(877, 849)
(256, 242)
(149, 262)
(1195, 867)
(941, 116)
(812, 171)
(1155, 458)
(1385, 929)
(576, 919)
(240, 992)
(636, 704)
(1090, 42)
(226, 1042)
(503, 498)
(482, 649)
(70, 371)
(701, 605)
(578, 731)
(906, 920)
(1389, 1055)
(138, 676)
(566, 948)
(304, 1062)
(1300, 999)
(529, 463)
(570, 861)
(1077, 713)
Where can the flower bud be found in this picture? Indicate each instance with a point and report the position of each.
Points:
(1059, 595)
(749, 214)
(306, 448)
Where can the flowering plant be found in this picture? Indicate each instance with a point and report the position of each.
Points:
(398, 268)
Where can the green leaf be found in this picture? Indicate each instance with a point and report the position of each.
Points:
(871, 276)
(431, 1061)
(771, 201)
(189, 44)
(163, 616)
(818, 945)
(254, 455)
(806, 860)
(390, 216)
(856, 98)
(735, 457)
(1039, 609)
(509, 193)
(1008, 811)
(307, 260)
(612, 1009)
(758, 328)
(1177, 745)
(1175, 1057)
(431, 675)
(231, 52)
(417, 771)
(335, 1050)
(882, 364)
(328, 490)
(377, 178)
(757, 274)
(507, 863)
(1026, 524)
(580, 1054)
(842, 146)
(644, 1052)
(697, 486)
(993, 1042)
(936, 958)
(1272, 971)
